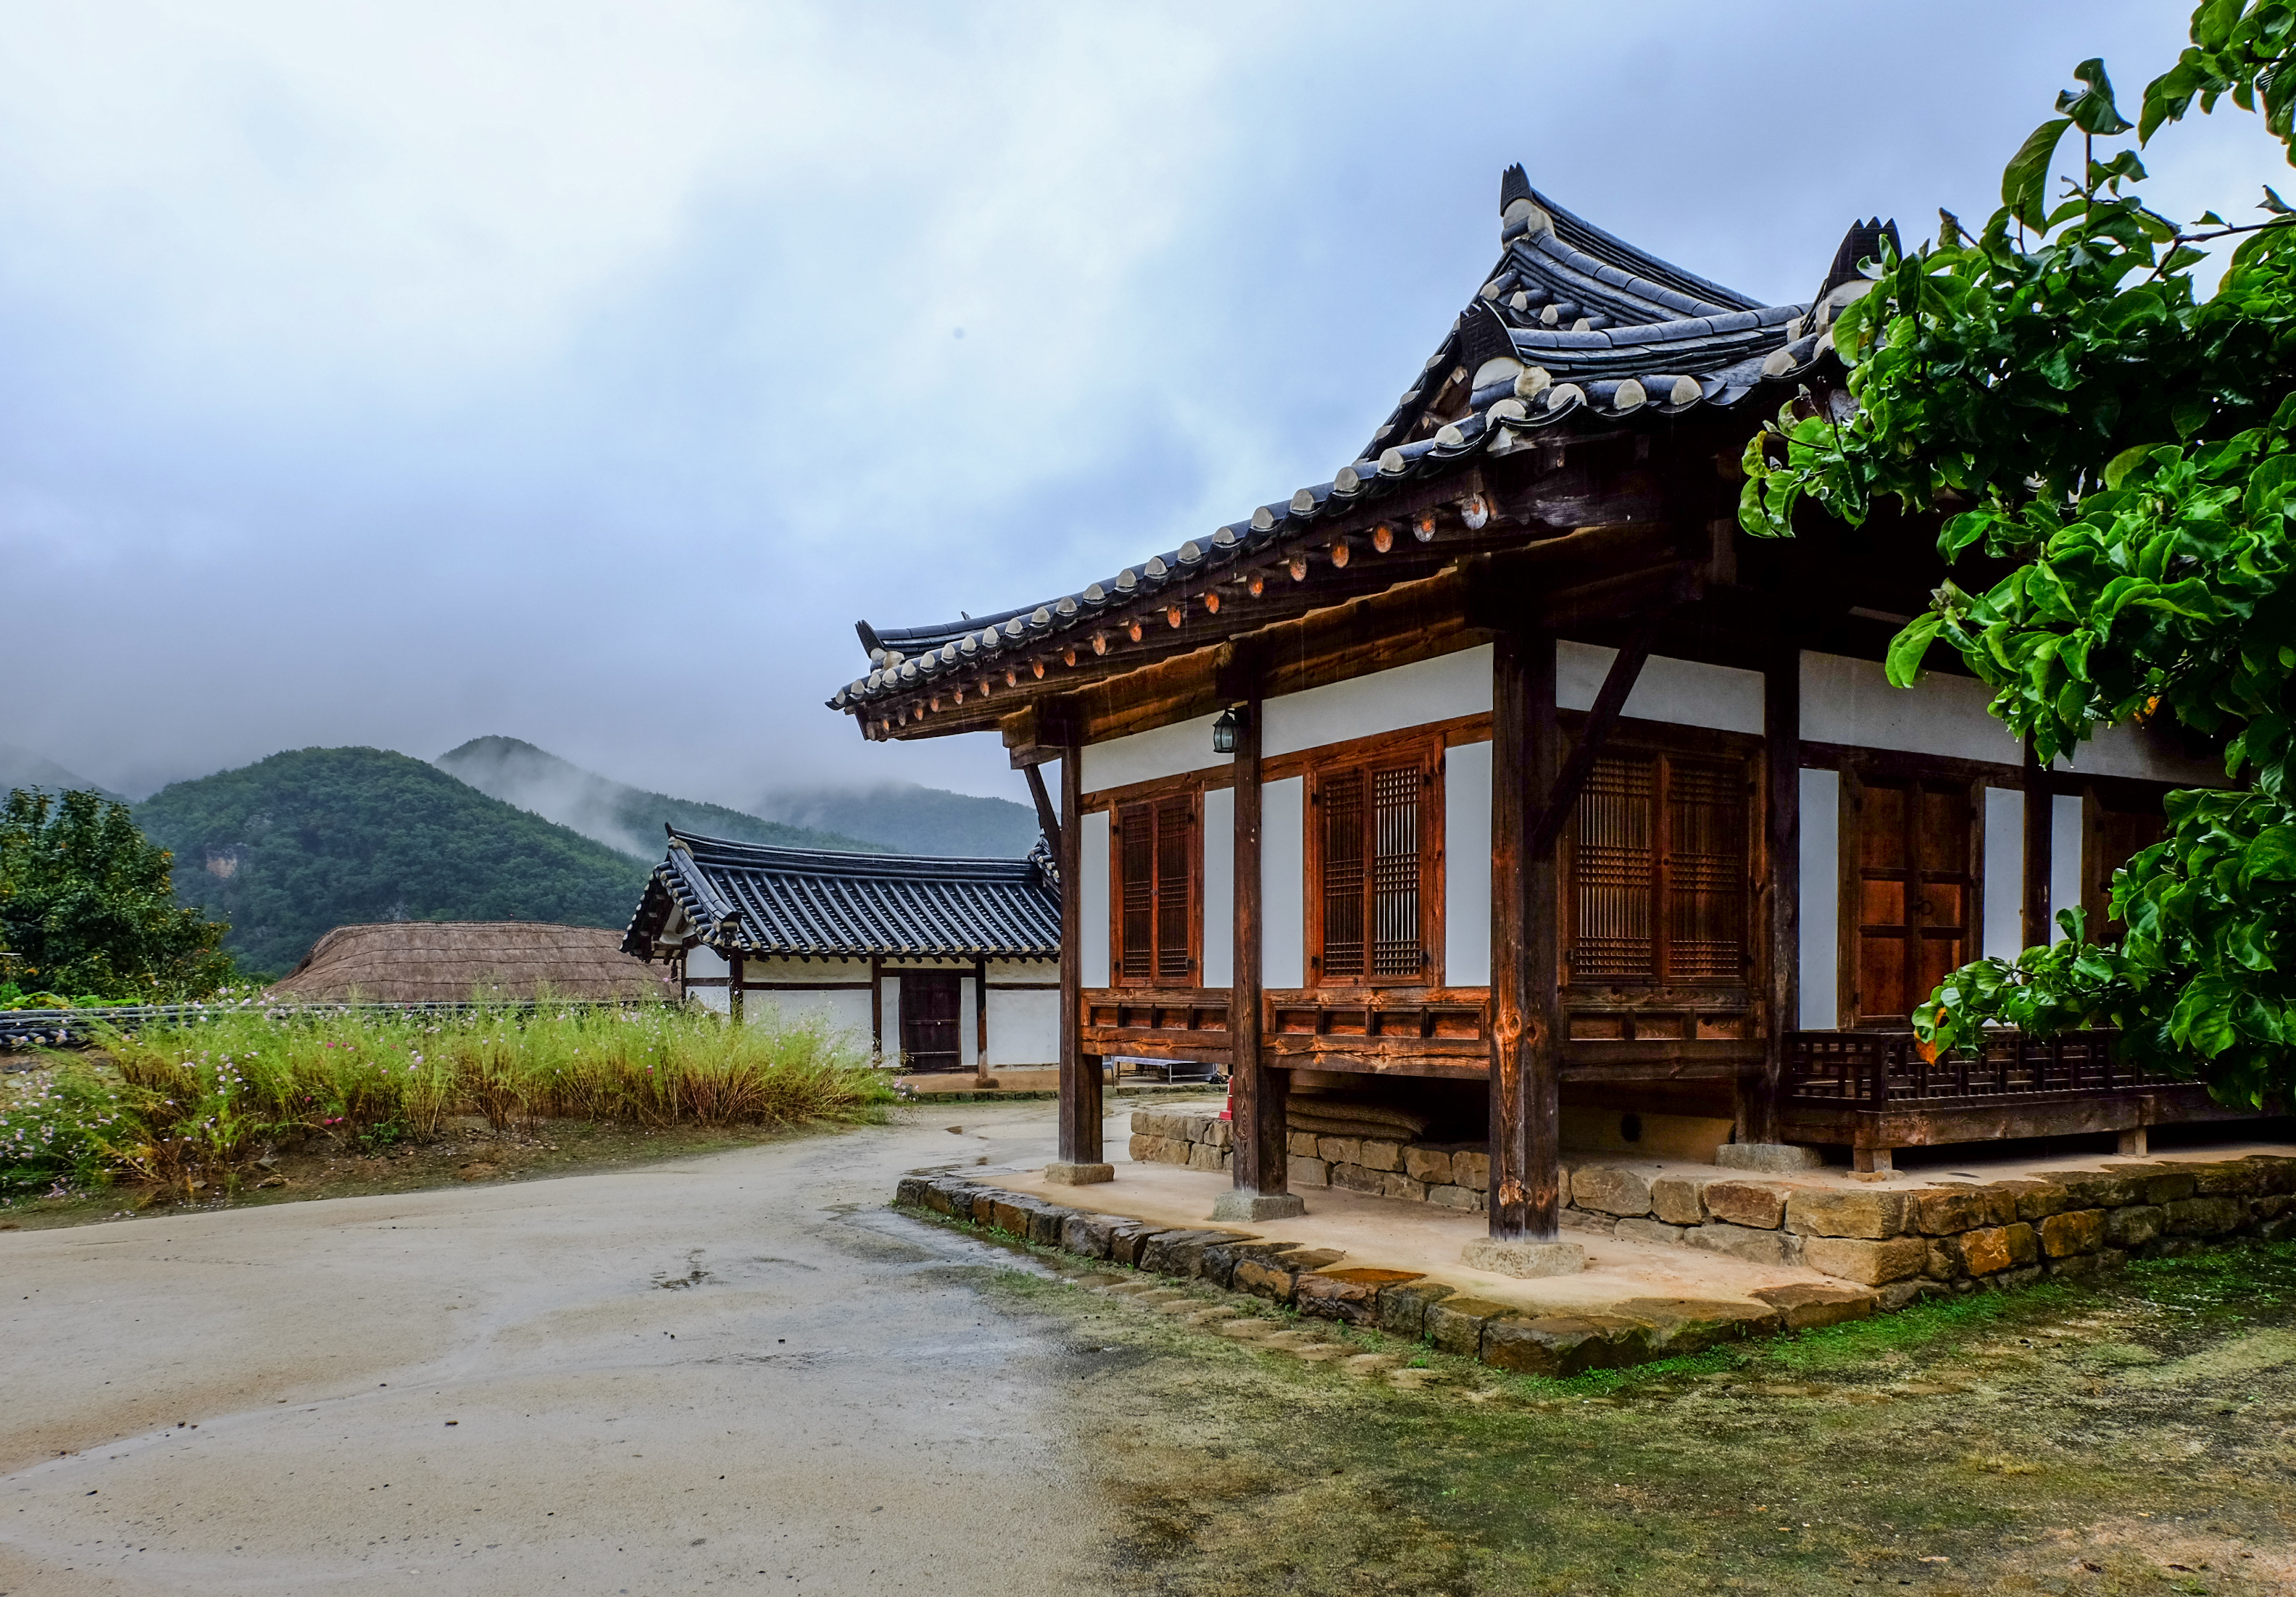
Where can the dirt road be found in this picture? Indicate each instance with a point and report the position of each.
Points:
(737, 1371)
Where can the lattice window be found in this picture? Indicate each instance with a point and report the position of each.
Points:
(1374, 858)
(1659, 877)
(1156, 868)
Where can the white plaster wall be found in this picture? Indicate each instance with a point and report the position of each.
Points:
(2005, 873)
(1821, 900)
(892, 1015)
(1165, 751)
(710, 998)
(704, 962)
(1850, 702)
(1219, 888)
(846, 1012)
(804, 969)
(1024, 1028)
(1282, 883)
(1681, 692)
(1024, 970)
(2125, 751)
(968, 1022)
(2064, 861)
(1467, 865)
(1391, 701)
(1091, 902)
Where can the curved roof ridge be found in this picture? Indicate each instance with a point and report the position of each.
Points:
(1581, 235)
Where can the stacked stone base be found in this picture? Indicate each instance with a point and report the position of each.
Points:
(1940, 1238)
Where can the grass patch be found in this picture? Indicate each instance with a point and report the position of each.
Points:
(190, 1111)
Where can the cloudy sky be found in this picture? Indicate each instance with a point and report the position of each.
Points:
(394, 375)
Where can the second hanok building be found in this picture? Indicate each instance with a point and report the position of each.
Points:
(1505, 776)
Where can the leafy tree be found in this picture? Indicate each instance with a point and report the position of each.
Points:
(86, 906)
(2061, 388)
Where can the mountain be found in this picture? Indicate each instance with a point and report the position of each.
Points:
(626, 818)
(22, 769)
(294, 844)
(917, 820)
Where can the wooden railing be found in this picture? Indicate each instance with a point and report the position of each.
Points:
(1878, 1069)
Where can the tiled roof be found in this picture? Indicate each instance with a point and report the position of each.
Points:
(748, 898)
(1573, 326)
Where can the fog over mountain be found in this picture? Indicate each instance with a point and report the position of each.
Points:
(23, 768)
(915, 819)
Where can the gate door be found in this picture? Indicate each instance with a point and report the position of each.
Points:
(929, 1022)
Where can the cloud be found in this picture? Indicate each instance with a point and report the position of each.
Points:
(580, 372)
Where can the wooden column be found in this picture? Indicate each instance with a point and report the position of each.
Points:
(1525, 1074)
(981, 1022)
(1782, 760)
(2040, 835)
(1047, 822)
(733, 988)
(1256, 1091)
(1080, 1097)
(877, 1004)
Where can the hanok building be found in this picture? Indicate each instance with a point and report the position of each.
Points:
(1502, 774)
(945, 965)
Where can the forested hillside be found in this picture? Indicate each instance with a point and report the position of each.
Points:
(287, 847)
(912, 818)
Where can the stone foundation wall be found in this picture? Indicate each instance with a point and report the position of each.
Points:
(1904, 1243)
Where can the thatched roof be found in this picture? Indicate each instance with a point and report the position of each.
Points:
(449, 961)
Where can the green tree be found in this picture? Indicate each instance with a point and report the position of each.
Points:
(2060, 387)
(87, 906)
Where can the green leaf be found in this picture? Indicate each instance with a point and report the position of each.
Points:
(2190, 415)
(2117, 469)
(1908, 648)
(2025, 180)
(2276, 204)
(2093, 108)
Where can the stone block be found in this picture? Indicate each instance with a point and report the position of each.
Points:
(1239, 1203)
(1742, 1241)
(1609, 1189)
(1339, 1150)
(2074, 1266)
(1429, 1165)
(1650, 1230)
(1454, 1197)
(1126, 1238)
(1143, 1148)
(1045, 1222)
(2096, 1188)
(2135, 1225)
(1403, 1307)
(2009, 1281)
(1984, 1250)
(1472, 1171)
(1088, 1234)
(1869, 1261)
(2074, 1231)
(1216, 1132)
(1178, 1252)
(1394, 1183)
(1563, 1345)
(1525, 1260)
(2275, 1173)
(1853, 1212)
(1808, 1306)
(1943, 1211)
(1348, 1295)
(1456, 1324)
(1584, 1219)
(2024, 1243)
(1299, 1144)
(1263, 1278)
(2037, 1200)
(2225, 1178)
(1355, 1178)
(2159, 1184)
(2271, 1206)
(910, 1191)
(2277, 1230)
(1686, 1325)
(1898, 1294)
(1379, 1155)
(1010, 1214)
(1759, 1204)
(1147, 1123)
(1675, 1199)
(1945, 1261)
(1307, 1173)
(2204, 1217)
(1203, 1156)
(2111, 1259)
(984, 1206)
(1769, 1159)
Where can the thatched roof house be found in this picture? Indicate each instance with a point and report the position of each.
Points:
(449, 962)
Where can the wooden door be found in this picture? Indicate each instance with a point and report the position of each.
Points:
(929, 1022)
(2110, 836)
(1909, 890)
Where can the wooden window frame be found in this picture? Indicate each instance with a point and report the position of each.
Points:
(1188, 801)
(2096, 870)
(1422, 747)
(1651, 742)
(1850, 953)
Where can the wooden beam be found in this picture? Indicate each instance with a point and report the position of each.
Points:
(1781, 841)
(1047, 821)
(1524, 1091)
(1256, 1090)
(2040, 833)
(1080, 1096)
(1618, 685)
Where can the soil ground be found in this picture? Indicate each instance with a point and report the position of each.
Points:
(744, 1372)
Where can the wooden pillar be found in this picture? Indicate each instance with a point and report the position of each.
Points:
(733, 987)
(877, 1004)
(1782, 759)
(1256, 1091)
(1047, 822)
(981, 1022)
(1080, 1097)
(1525, 1064)
(2040, 833)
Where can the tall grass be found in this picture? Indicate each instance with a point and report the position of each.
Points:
(191, 1106)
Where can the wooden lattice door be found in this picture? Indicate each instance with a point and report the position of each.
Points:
(930, 1006)
(1909, 890)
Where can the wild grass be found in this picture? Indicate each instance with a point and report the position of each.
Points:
(191, 1107)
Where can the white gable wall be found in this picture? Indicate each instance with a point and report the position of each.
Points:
(1219, 888)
